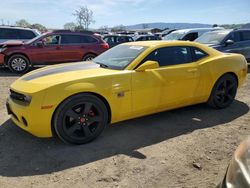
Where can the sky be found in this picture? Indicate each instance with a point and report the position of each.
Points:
(55, 13)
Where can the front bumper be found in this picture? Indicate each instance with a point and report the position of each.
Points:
(31, 118)
(1, 59)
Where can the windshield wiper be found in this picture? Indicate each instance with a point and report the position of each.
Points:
(102, 65)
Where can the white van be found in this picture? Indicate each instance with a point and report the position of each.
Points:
(189, 34)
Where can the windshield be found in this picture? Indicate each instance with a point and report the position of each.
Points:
(173, 36)
(119, 57)
(212, 37)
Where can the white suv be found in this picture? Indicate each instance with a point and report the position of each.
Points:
(17, 33)
(189, 34)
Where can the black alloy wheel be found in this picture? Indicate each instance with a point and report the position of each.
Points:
(224, 92)
(80, 119)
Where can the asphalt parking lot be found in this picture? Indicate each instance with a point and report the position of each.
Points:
(188, 147)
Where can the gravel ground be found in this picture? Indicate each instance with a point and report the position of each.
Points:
(188, 147)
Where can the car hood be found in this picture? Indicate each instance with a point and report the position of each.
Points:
(11, 43)
(57, 74)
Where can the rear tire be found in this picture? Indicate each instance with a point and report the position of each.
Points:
(224, 92)
(80, 119)
(88, 57)
(18, 64)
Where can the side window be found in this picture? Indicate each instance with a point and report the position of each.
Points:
(24, 34)
(70, 39)
(109, 40)
(2, 34)
(140, 39)
(191, 36)
(121, 39)
(89, 39)
(170, 56)
(198, 54)
(130, 39)
(10, 34)
(245, 35)
(234, 36)
(51, 40)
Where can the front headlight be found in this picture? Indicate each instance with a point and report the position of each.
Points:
(27, 98)
(20, 97)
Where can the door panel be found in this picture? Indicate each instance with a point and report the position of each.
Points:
(50, 52)
(171, 85)
(179, 85)
(145, 92)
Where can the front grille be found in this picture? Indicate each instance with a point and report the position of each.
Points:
(17, 96)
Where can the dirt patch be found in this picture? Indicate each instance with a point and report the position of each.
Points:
(188, 147)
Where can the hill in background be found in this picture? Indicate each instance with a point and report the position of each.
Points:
(162, 25)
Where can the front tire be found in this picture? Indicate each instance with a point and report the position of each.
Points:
(18, 64)
(80, 119)
(224, 92)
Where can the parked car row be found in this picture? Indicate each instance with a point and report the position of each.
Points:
(19, 54)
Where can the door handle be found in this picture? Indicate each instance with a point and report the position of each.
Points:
(58, 48)
(193, 70)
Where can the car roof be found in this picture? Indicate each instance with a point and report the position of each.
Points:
(197, 29)
(222, 31)
(15, 27)
(118, 35)
(154, 43)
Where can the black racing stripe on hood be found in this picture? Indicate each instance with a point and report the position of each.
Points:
(58, 70)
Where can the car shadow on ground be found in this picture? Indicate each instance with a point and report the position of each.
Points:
(21, 154)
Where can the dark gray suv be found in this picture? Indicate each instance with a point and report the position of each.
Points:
(228, 40)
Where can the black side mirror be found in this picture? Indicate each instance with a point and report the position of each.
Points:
(229, 42)
(39, 44)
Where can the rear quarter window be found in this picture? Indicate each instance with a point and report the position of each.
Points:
(24, 34)
(245, 35)
(88, 39)
(198, 54)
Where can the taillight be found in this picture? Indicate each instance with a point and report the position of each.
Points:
(105, 45)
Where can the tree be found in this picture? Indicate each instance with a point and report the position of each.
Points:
(70, 26)
(84, 17)
(22, 23)
(39, 27)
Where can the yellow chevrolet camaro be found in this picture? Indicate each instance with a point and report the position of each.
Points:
(77, 100)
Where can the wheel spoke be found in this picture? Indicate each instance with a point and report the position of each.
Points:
(73, 128)
(229, 97)
(94, 119)
(72, 113)
(225, 84)
(219, 92)
(231, 86)
(86, 130)
(87, 108)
